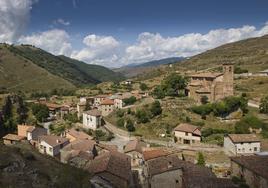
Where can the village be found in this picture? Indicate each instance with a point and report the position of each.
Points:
(117, 157)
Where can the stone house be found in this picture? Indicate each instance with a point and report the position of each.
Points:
(253, 169)
(10, 139)
(51, 145)
(111, 169)
(187, 134)
(134, 149)
(79, 150)
(92, 119)
(73, 135)
(241, 144)
(106, 107)
(163, 172)
(213, 85)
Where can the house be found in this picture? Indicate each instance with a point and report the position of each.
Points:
(92, 119)
(51, 145)
(253, 169)
(64, 110)
(34, 132)
(54, 109)
(113, 169)
(98, 99)
(22, 130)
(163, 172)
(81, 106)
(213, 85)
(263, 73)
(78, 150)
(73, 134)
(187, 134)
(10, 139)
(134, 149)
(106, 107)
(241, 144)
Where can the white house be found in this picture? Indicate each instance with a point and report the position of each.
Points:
(92, 119)
(51, 145)
(98, 99)
(240, 144)
(187, 134)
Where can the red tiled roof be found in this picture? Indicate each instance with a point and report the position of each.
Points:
(151, 154)
(93, 112)
(13, 137)
(236, 138)
(78, 134)
(80, 145)
(107, 102)
(206, 75)
(53, 140)
(185, 127)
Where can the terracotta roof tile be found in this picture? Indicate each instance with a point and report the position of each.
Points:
(185, 127)
(152, 154)
(53, 140)
(78, 134)
(13, 137)
(80, 145)
(206, 75)
(107, 102)
(243, 138)
(93, 112)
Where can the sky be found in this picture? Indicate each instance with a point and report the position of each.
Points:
(115, 33)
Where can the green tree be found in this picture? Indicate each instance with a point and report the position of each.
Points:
(156, 108)
(40, 111)
(143, 87)
(142, 116)
(158, 92)
(129, 101)
(130, 127)
(201, 159)
(174, 83)
(264, 105)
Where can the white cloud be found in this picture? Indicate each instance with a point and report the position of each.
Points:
(150, 46)
(61, 21)
(99, 50)
(14, 16)
(54, 41)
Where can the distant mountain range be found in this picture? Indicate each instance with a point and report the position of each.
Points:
(28, 68)
(135, 69)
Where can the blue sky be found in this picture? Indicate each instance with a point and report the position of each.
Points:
(117, 32)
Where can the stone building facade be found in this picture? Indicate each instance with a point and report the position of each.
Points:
(213, 85)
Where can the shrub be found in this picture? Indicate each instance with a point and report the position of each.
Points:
(242, 127)
(264, 105)
(201, 159)
(130, 127)
(129, 101)
(142, 116)
(143, 86)
(120, 122)
(156, 108)
(120, 113)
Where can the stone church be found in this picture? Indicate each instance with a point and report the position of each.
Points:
(214, 85)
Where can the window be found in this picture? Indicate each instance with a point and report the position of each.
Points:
(255, 149)
(177, 181)
(193, 141)
(50, 149)
(41, 147)
(186, 134)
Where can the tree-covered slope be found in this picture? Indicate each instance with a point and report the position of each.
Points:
(98, 72)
